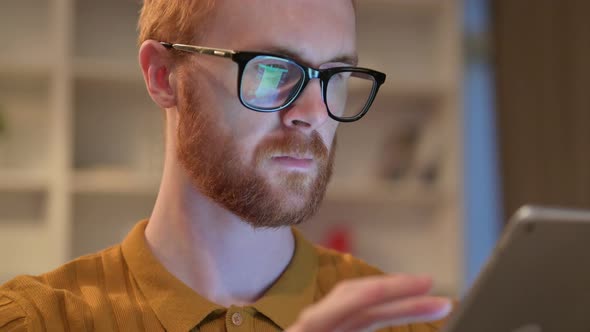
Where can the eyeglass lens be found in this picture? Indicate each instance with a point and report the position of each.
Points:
(348, 93)
(270, 82)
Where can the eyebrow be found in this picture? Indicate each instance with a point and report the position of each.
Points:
(343, 58)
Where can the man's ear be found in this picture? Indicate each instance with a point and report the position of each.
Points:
(156, 65)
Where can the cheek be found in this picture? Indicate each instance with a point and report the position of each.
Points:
(217, 85)
(246, 129)
(249, 129)
(219, 74)
(328, 133)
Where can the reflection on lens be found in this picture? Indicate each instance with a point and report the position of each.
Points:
(269, 82)
(349, 93)
(270, 78)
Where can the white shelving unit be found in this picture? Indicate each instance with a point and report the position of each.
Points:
(81, 158)
(410, 222)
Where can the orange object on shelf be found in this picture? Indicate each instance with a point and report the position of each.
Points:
(339, 238)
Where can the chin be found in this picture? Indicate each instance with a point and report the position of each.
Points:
(292, 193)
(292, 184)
(295, 202)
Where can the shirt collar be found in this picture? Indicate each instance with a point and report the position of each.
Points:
(179, 308)
(176, 305)
(295, 289)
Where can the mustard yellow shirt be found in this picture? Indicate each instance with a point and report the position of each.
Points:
(124, 288)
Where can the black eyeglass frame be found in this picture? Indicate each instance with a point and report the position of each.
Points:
(243, 57)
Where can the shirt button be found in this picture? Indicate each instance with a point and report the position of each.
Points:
(237, 319)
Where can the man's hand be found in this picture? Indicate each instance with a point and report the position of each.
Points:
(371, 303)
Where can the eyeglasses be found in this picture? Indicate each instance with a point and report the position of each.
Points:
(269, 82)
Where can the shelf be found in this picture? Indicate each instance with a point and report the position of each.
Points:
(24, 109)
(403, 45)
(102, 220)
(121, 181)
(430, 5)
(25, 28)
(115, 181)
(107, 70)
(18, 209)
(28, 250)
(401, 96)
(19, 180)
(106, 29)
(408, 194)
(412, 89)
(366, 147)
(116, 124)
(27, 67)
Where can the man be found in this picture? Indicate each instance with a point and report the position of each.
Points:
(242, 166)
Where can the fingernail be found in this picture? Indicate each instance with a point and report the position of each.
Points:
(445, 306)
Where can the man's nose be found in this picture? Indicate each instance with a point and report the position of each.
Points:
(308, 112)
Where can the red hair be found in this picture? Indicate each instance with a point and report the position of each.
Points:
(176, 21)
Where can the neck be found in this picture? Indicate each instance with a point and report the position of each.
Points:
(210, 249)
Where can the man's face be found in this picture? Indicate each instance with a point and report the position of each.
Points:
(271, 169)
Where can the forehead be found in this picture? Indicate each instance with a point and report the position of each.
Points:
(317, 31)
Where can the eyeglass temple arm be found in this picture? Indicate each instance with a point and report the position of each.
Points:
(199, 49)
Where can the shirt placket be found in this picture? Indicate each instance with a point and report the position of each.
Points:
(237, 319)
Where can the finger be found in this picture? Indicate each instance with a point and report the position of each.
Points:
(401, 312)
(353, 296)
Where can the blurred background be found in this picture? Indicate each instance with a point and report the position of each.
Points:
(485, 109)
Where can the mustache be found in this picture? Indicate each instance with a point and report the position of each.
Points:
(293, 144)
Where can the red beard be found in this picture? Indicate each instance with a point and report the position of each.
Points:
(212, 161)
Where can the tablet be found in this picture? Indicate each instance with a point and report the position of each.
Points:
(537, 279)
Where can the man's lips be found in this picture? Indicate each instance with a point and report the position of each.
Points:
(295, 162)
